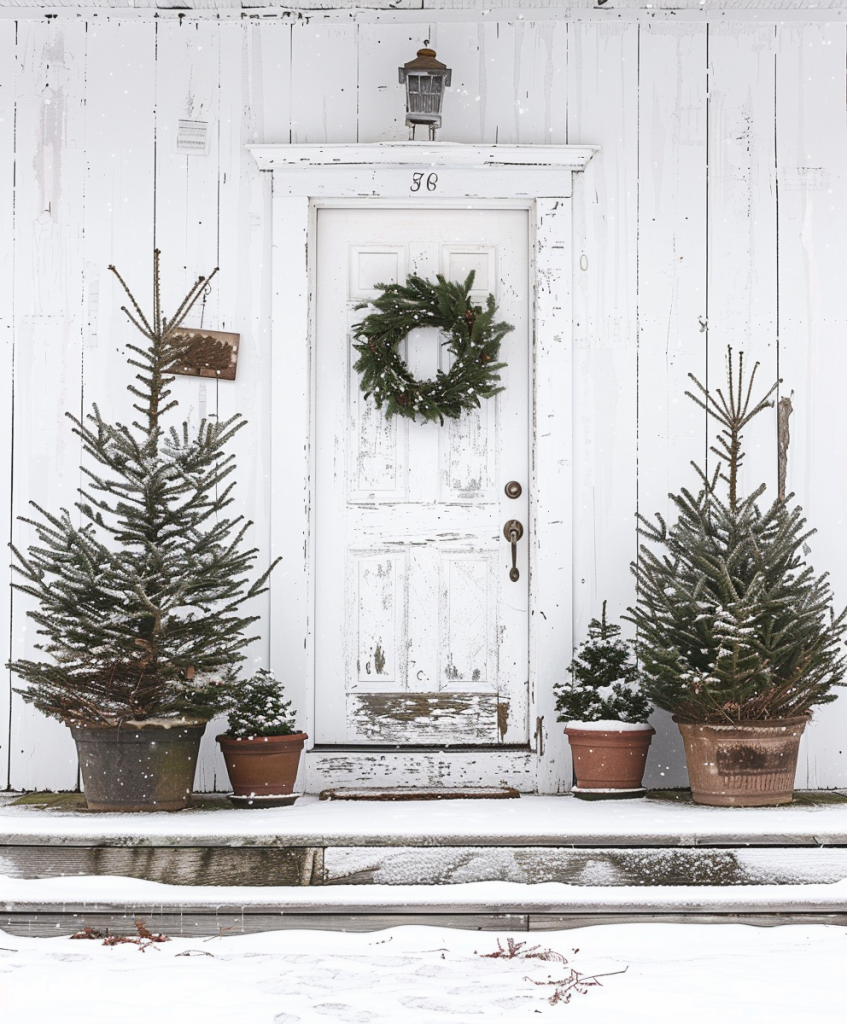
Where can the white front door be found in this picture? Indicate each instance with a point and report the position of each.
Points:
(421, 637)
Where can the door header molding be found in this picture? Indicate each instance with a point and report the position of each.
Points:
(412, 154)
(421, 170)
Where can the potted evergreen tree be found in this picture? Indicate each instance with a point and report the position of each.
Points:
(606, 715)
(736, 634)
(262, 746)
(140, 605)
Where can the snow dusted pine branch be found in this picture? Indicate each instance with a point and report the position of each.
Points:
(141, 605)
(733, 624)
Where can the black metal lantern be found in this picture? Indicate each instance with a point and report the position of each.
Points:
(426, 79)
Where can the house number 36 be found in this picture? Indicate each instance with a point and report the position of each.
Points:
(418, 180)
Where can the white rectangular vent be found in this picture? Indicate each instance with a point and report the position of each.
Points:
(192, 137)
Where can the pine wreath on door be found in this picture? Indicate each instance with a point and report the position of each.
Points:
(421, 637)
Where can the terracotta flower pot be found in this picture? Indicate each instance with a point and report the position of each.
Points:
(138, 768)
(747, 764)
(609, 763)
(263, 770)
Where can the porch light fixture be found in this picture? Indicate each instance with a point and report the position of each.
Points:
(426, 79)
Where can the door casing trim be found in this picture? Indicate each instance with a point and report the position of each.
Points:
(307, 177)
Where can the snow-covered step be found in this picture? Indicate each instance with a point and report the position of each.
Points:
(62, 905)
(531, 840)
(529, 821)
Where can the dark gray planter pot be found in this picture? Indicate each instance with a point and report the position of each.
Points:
(138, 768)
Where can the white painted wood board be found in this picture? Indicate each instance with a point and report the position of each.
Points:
(408, 154)
(269, 70)
(509, 81)
(427, 768)
(551, 640)
(8, 68)
(324, 76)
(603, 103)
(742, 250)
(671, 291)
(187, 88)
(49, 204)
(243, 286)
(449, 183)
(811, 144)
(188, 221)
(291, 609)
(119, 169)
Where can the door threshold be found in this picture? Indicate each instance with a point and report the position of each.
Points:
(389, 766)
(418, 748)
(400, 793)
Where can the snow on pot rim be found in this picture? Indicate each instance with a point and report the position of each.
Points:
(609, 725)
(154, 723)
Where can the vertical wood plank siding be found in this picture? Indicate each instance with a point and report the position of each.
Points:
(672, 290)
(603, 103)
(8, 69)
(715, 214)
(811, 140)
(48, 275)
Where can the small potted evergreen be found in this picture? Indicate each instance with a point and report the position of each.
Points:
(606, 714)
(736, 634)
(139, 605)
(262, 746)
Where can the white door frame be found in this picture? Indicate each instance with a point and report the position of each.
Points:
(436, 175)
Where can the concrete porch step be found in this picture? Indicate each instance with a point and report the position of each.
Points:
(62, 906)
(247, 865)
(659, 841)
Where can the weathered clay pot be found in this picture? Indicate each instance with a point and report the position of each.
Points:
(748, 764)
(264, 767)
(138, 768)
(609, 762)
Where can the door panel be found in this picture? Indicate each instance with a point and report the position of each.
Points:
(421, 637)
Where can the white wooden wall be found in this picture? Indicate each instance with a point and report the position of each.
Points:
(716, 213)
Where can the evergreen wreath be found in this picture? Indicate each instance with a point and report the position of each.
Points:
(473, 337)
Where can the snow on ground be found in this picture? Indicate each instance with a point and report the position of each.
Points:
(420, 975)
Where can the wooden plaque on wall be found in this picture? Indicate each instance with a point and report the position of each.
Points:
(207, 353)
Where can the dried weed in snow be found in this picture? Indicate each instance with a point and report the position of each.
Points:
(515, 951)
(144, 939)
(563, 988)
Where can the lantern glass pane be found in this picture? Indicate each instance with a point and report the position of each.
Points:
(425, 93)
